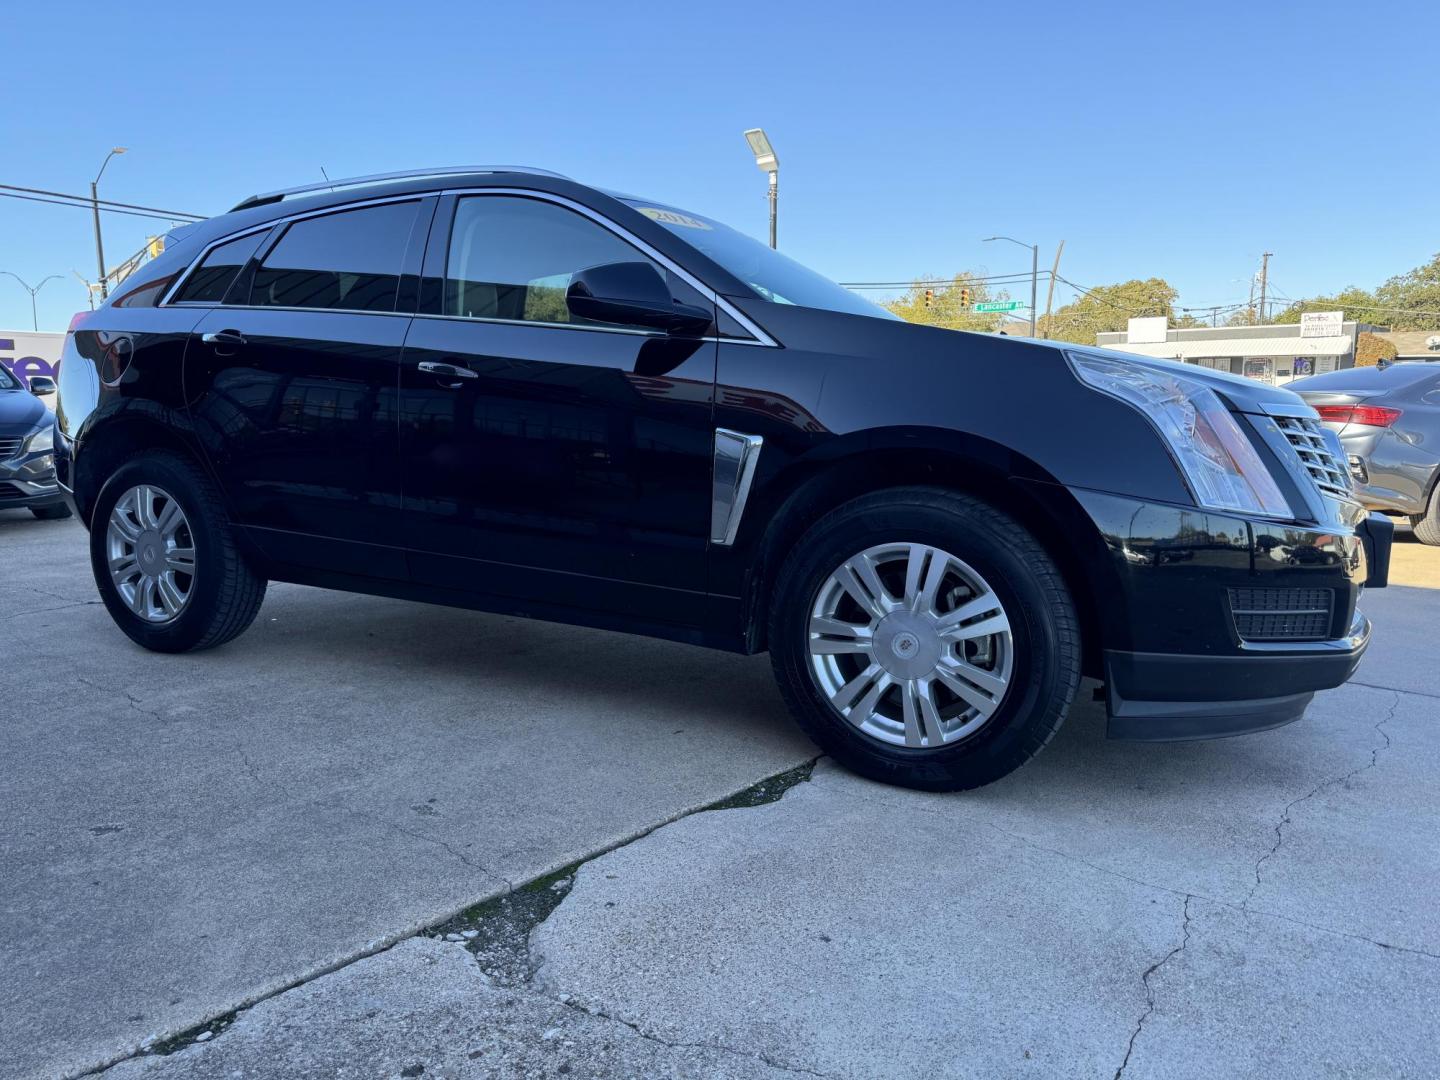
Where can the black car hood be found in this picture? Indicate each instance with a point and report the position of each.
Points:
(798, 327)
(20, 411)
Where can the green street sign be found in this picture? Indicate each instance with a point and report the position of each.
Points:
(998, 305)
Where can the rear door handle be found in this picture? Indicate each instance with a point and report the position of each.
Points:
(223, 340)
(452, 376)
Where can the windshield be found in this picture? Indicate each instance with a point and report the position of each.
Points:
(773, 276)
(8, 381)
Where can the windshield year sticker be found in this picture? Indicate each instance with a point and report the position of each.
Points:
(670, 217)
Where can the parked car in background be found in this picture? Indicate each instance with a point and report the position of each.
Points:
(1388, 421)
(502, 389)
(27, 440)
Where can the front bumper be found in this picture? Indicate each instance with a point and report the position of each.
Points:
(1175, 663)
(29, 481)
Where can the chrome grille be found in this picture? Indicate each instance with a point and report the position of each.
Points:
(9, 446)
(1282, 614)
(1328, 469)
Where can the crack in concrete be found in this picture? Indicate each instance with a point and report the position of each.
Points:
(1149, 991)
(1322, 786)
(1393, 689)
(435, 840)
(180, 1039)
(749, 1055)
(133, 701)
(54, 607)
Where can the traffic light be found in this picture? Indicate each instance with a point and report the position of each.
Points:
(964, 298)
(929, 297)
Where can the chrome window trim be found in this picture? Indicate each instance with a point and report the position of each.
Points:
(761, 338)
(165, 301)
(733, 471)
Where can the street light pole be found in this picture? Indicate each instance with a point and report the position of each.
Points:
(768, 163)
(1034, 273)
(34, 319)
(95, 209)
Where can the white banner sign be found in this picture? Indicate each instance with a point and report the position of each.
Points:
(1147, 331)
(28, 354)
(1322, 324)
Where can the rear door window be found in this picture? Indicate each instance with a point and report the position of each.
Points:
(347, 261)
(212, 278)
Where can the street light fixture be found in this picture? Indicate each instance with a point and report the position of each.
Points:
(95, 207)
(34, 321)
(768, 163)
(1034, 272)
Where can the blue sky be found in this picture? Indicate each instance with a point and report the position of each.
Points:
(1155, 138)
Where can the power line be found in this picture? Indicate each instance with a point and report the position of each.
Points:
(85, 202)
(963, 280)
(82, 206)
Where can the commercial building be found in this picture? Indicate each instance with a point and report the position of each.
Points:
(1272, 354)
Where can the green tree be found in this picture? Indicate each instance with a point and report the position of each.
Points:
(945, 309)
(1110, 307)
(1356, 303)
(1415, 296)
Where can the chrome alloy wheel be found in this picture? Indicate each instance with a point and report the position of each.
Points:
(910, 645)
(151, 553)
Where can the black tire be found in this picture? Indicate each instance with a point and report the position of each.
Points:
(1045, 635)
(1426, 526)
(54, 512)
(226, 592)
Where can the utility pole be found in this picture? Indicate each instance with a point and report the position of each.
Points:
(1050, 292)
(1264, 280)
(95, 208)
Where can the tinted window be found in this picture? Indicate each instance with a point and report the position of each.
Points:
(8, 381)
(218, 269)
(349, 260)
(512, 258)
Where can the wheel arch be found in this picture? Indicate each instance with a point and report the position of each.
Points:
(858, 465)
(109, 441)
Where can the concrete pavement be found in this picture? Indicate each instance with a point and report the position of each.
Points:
(1252, 906)
(181, 835)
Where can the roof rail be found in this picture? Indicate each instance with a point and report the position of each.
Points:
(376, 178)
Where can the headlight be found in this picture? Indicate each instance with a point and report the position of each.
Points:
(1217, 459)
(44, 439)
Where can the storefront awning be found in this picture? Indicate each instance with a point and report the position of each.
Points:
(1258, 346)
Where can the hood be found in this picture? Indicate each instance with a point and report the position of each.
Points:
(1245, 395)
(20, 412)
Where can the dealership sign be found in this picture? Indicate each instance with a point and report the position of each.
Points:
(29, 354)
(1322, 324)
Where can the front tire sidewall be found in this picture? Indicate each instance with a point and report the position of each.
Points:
(188, 628)
(1043, 676)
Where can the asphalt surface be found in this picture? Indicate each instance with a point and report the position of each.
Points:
(183, 836)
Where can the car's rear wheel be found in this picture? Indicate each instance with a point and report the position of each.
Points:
(1427, 525)
(165, 558)
(924, 638)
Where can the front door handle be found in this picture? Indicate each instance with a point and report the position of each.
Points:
(224, 340)
(452, 376)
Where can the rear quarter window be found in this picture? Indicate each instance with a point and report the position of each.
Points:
(212, 278)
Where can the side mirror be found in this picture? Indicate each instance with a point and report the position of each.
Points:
(632, 294)
(41, 384)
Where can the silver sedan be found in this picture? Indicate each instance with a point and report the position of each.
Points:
(1388, 420)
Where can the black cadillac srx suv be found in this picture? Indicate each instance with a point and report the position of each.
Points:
(500, 389)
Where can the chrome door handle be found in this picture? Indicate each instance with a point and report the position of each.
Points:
(452, 376)
(223, 337)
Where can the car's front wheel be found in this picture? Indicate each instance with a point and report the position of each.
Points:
(165, 558)
(924, 638)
